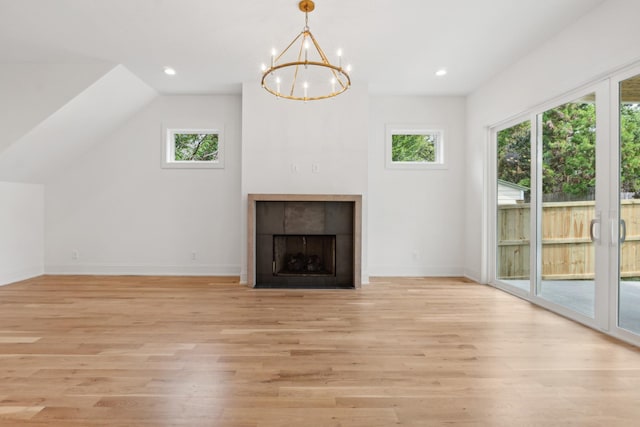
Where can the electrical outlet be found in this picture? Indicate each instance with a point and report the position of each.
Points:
(315, 168)
(193, 256)
(75, 255)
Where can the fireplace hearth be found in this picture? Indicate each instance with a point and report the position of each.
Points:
(304, 241)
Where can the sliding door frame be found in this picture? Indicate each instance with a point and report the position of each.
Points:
(493, 211)
(607, 88)
(613, 228)
(601, 319)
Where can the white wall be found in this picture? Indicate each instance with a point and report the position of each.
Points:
(600, 42)
(282, 140)
(416, 216)
(29, 93)
(21, 231)
(124, 214)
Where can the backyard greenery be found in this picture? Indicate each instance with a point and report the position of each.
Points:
(568, 147)
(413, 148)
(196, 146)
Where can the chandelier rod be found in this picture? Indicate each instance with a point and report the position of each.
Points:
(325, 59)
(295, 74)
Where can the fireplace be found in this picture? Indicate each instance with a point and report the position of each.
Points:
(304, 241)
(304, 255)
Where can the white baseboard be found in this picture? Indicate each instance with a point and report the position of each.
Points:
(145, 270)
(22, 274)
(364, 279)
(413, 271)
(472, 275)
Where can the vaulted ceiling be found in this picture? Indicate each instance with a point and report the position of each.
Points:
(395, 46)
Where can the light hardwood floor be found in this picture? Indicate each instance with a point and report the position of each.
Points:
(176, 351)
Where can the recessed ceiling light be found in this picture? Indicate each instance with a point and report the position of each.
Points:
(169, 71)
(441, 72)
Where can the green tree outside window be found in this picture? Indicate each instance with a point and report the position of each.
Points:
(569, 150)
(413, 148)
(202, 147)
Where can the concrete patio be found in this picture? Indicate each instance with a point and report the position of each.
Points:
(578, 295)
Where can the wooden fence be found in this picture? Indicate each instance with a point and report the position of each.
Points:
(567, 250)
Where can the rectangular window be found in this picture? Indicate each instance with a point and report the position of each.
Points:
(193, 148)
(414, 147)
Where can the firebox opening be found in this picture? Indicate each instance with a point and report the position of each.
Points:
(304, 255)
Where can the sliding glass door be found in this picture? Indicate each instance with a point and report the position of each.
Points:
(550, 191)
(567, 204)
(627, 226)
(513, 205)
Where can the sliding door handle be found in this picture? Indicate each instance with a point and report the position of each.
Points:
(594, 230)
(619, 231)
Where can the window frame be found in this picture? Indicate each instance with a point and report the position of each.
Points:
(395, 129)
(168, 149)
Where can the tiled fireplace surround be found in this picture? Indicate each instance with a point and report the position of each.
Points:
(275, 215)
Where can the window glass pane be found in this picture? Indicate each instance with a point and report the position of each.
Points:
(513, 208)
(568, 187)
(201, 147)
(629, 268)
(414, 148)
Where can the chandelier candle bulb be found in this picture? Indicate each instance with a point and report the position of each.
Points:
(333, 85)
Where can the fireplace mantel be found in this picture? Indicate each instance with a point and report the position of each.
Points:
(357, 226)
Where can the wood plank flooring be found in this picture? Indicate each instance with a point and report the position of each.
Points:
(176, 351)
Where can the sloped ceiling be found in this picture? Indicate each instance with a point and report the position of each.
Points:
(31, 92)
(74, 128)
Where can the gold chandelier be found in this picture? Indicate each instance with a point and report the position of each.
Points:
(305, 73)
